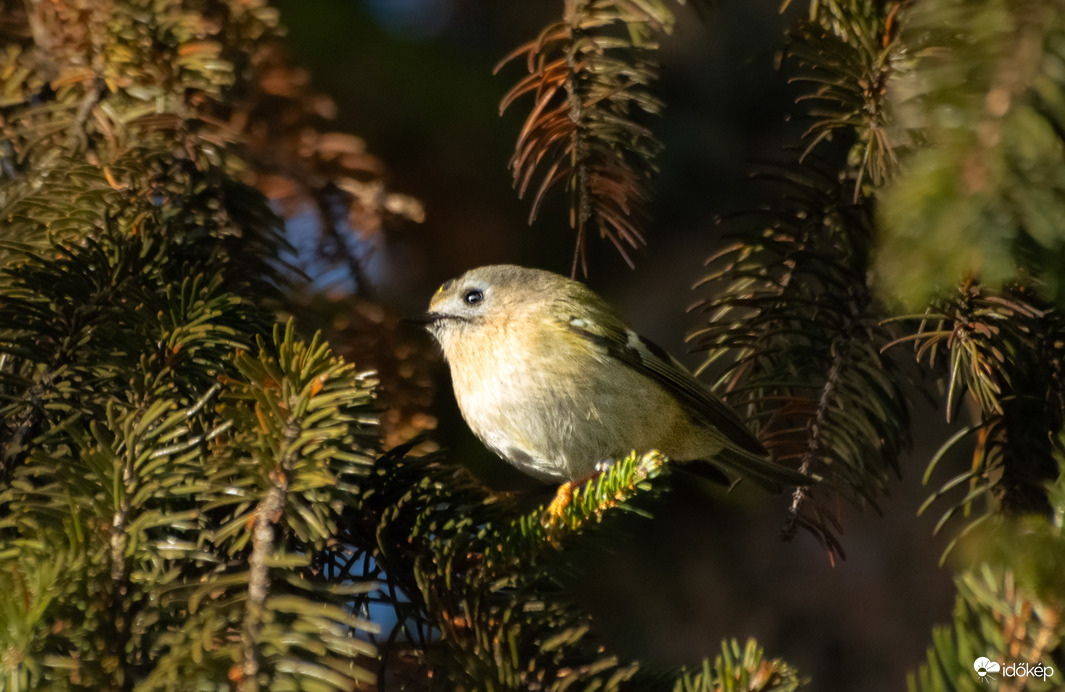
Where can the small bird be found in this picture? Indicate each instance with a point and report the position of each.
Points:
(551, 379)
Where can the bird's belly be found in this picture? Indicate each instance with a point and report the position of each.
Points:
(561, 428)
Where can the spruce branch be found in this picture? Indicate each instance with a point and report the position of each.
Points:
(590, 76)
(132, 267)
(790, 307)
(847, 52)
(301, 422)
(483, 584)
(1009, 604)
(58, 294)
(526, 537)
(262, 546)
(1003, 353)
(741, 668)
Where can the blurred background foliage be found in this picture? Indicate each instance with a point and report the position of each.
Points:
(199, 497)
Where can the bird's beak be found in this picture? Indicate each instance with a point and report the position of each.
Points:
(426, 320)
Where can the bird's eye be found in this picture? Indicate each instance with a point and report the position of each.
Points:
(473, 296)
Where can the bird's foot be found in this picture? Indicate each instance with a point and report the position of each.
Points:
(563, 497)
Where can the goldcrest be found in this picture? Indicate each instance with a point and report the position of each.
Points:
(551, 379)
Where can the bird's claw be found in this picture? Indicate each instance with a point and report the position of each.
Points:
(557, 508)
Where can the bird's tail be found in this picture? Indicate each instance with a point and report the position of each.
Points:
(760, 469)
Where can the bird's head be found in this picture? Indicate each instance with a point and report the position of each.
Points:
(483, 302)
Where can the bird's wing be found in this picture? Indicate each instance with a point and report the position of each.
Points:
(588, 317)
(646, 358)
(742, 452)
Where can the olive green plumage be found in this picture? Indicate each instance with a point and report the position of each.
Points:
(549, 377)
